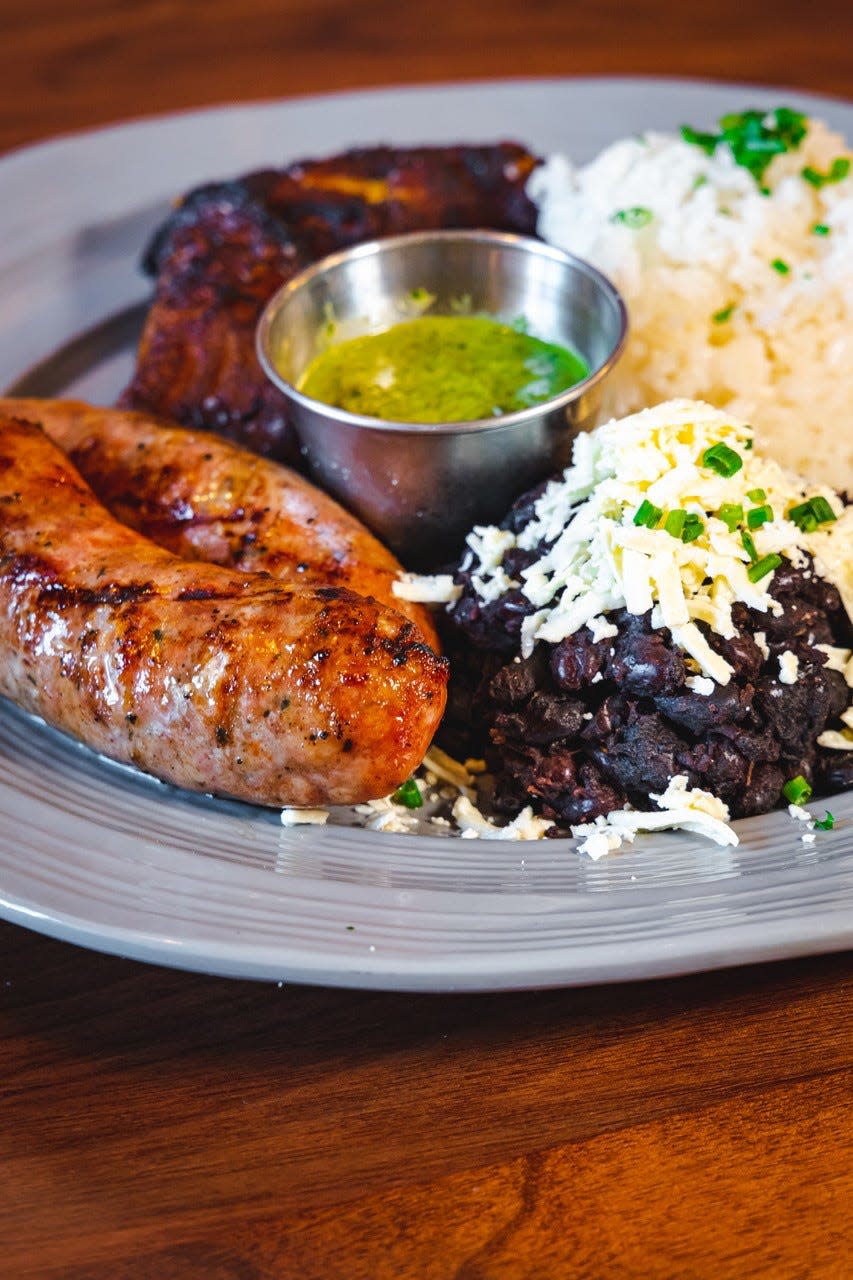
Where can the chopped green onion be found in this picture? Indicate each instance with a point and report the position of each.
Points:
(821, 510)
(797, 790)
(749, 545)
(635, 218)
(756, 495)
(722, 459)
(837, 171)
(754, 137)
(647, 514)
(803, 516)
(707, 141)
(825, 824)
(762, 567)
(693, 527)
(721, 316)
(820, 229)
(408, 794)
(674, 522)
(809, 514)
(731, 514)
(780, 265)
(759, 516)
(748, 445)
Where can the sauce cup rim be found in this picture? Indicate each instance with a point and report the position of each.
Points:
(498, 422)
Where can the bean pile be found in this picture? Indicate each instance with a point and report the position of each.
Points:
(582, 726)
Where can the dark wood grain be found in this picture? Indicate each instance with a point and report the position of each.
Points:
(163, 1124)
(74, 66)
(155, 1120)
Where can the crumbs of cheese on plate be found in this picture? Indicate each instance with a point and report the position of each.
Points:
(679, 808)
(293, 817)
(474, 826)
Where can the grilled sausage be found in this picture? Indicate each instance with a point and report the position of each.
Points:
(204, 498)
(203, 676)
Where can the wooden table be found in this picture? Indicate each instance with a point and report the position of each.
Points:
(161, 1124)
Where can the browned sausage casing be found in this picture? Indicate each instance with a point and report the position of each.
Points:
(205, 677)
(204, 498)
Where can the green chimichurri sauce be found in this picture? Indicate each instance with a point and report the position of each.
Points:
(441, 369)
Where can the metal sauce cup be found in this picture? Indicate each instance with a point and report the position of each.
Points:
(422, 486)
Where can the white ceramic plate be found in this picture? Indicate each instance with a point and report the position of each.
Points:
(95, 854)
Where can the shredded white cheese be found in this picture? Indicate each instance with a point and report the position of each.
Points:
(292, 817)
(836, 739)
(680, 807)
(438, 588)
(840, 660)
(600, 559)
(384, 815)
(789, 667)
(602, 629)
(474, 826)
(440, 765)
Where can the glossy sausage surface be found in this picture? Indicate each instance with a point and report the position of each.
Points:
(205, 677)
(204, 498)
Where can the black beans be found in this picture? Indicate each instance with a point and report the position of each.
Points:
(577, 660)
(728, 704)
(545, 718)
(834, 771)
(583, 726)
(643, 661)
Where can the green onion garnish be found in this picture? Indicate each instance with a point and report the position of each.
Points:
(693, 526)
(797, 790)
(809, 514)
(762, 567)
(821, 510)
(721, 316)
(647, 514)
(820, 229)
(756, 495)
(754, 137)
(759, 516)
(837, 171)
(634, 218)
(674, 522)
(731, 514)
(408, 794)
(707, 141)
(722, 459)
(825, 824)
(780, 265)
(749, 545)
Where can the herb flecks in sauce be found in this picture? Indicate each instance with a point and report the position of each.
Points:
(441, 369)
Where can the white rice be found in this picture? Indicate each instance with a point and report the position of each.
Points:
(782, 358)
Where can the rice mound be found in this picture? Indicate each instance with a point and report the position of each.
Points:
(733, 296)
